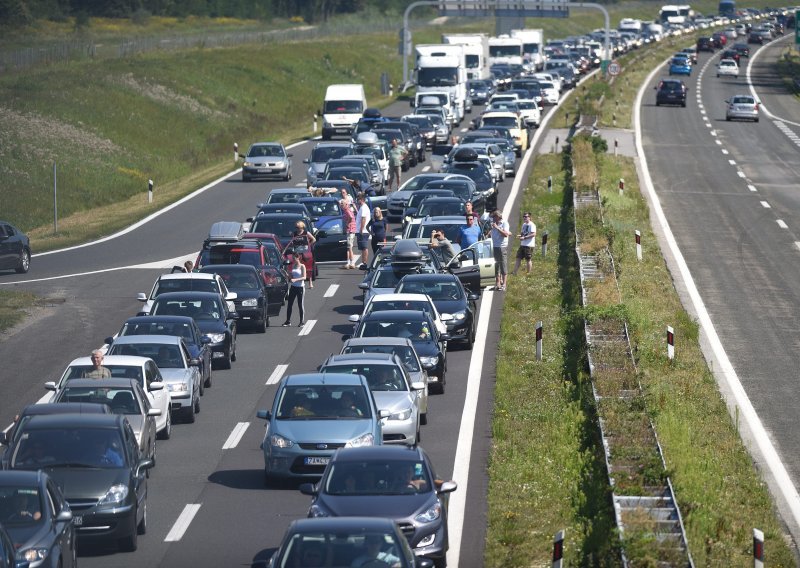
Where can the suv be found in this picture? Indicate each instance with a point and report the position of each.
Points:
(320, 155)
(671, 92)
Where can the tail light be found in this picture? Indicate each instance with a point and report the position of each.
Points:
(756, 106)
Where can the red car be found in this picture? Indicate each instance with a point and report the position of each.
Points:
(303, 248)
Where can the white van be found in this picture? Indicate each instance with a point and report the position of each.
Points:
(343, 106)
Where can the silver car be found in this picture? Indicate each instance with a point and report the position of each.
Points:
(267, 160)
(320, 155)
(392, 389)
(742, 106)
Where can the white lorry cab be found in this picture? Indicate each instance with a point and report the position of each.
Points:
(532, 47)
(341, 110)
(476, 52)
(505, 49)
(443, 68)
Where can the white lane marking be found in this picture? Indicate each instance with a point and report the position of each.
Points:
(724, 372)
(236, 435)
(702, 110)
(713, 133)
(765, 205)
(782, 224)
(718, 142)
(426, 169)
(183, 522)
(709, 125)
(306, 329)
(741, 174)
(724, 151)
(797, 244)
(732, 162)
(762, 107)
(277, 374)
(751, 187)
(458, 500)
(330, 291)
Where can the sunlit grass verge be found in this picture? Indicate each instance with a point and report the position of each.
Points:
(788, 68)
(14, 308)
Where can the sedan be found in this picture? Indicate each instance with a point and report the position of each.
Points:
(267, 160)
(38, 519)
(254, 303)
(396, 482)
(727, 67)
(15, 249)
(742, 106)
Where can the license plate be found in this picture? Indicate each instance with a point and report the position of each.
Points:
(77, 520)
(317, 461)
(342, 130)
(264, 170)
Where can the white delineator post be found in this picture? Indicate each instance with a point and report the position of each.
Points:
(758, 549)
(149, 191)
(638, 245)
(558, 549)
(670, 343)
(621, 186)
(544, 244)
(315, 123)
(538, 341)
(235, 152)
(549, 184)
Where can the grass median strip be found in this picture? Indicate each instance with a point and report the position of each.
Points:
(14, 307)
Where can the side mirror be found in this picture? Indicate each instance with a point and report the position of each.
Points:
(307, 161)
(364, 285)
(4, 438)
(50, 385)
(447, 487)
(363, 267)
(231, 296)
(195, 363)
(233, 315)
(109, 340)
(444, 337)
(154, 412)
(383, 413)
(354, 318)
(322, 234)
(473, 297)
(289, 155)
(155, 386)
(141, 296)
(205, 340)
(308, 489)
(249, 219)
(346, 337)
(446, 317)
(264, 414)
(145, 464)
(64, 516)
(418, 386)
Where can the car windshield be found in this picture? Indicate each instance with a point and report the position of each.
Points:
(226, 255)
(240, 280)
(281, 227)
(313, 548)
(387, 278)
(440, 208)
(406, 353)
(20, 505)
(74, 447)
(390, 477)
(121, 400)
(308, 402)
(178, 328)
(166, 356)
(286, 197)
(508, 121)
(184, 285)
(271, 151)
(206, 309)
(415, 330)
(437, 290)
(324, 153)
(117, 371)
(475, 171)
(379, 377)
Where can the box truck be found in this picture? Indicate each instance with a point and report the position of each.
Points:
(532, 47)
(442, 68)
(476, 52)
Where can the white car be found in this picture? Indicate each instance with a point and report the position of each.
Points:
(727, 67)
(142, 369)
(529, 109)
(186, 282)
(404, 302)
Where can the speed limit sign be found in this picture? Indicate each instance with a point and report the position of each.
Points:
(614, 68)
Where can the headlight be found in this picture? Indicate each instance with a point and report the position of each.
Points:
(408, 219)
(430, 515)
(250, 303)
(217, 337)
(32, 554)
(365, 440)
(247, 164)
(429, 361)
(115, 495)
(404, 414)
(280, 442)
(178, 387)
(459, 315)
(316, 511)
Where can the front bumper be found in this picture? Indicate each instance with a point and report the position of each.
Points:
(112, 523)
(277, 171)
(400, 431)
(180, 400)
(299, 461)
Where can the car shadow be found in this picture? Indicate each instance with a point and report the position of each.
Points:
(261, 559)
(348, 309)
(96, 549)
(239, 478)
(343, 329)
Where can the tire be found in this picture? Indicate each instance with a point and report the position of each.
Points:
(202, 388)
(166, 433)
(261, 326)
(130, 543)
(188, 414)
(24, 262)
(756, 120)
(245, 178)
(197, 406)
(141, 528)
(658, 103)
(208, 380)
(423, 419)
(233, 349)
(683, 104)
(440, 563)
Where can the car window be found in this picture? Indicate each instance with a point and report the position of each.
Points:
(378, 478)
(406, 354)
(308, 402)
(332, 227)
(118, 371)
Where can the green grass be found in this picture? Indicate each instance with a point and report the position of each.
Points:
(14, 308)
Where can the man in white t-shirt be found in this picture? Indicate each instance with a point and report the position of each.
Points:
(500, 231)
(362, 233)
(527, 237)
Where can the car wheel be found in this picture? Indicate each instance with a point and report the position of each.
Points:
(167, 430)
(423, 418)
(226, 362)
(440, 563)
(658, 103)
(208, 379)
(728, 118)
(245, 178)
(233, 350)
(130, 543)
(197, 405)
(261, 327)
(142, 526)
(188, 414)
(24, 262)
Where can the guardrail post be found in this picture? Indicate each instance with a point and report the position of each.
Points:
(549, 184)
(235, 153)
(538, 341)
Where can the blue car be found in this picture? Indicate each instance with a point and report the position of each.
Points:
(680, 66)
(314, 414)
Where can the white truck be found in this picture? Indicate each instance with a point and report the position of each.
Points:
(343, 106)
(532, 47)
(476, 51)
(504, 49)
(443, 68)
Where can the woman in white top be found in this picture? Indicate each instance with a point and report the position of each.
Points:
(297, 288)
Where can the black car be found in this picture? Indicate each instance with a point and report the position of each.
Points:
(742, 49)
(705, 44)
(212, 316)
(418, 327)
(755, 37)
(282, 225)
(181, 326)
(479, 91)
(449, 297)
(461, 188)
(292, 207)
(671, 92)
(95, 460)
(390, 481)
(15, 249)
(7, 550)
(731, 54)
(254, 302)
(419, 196)
(38, 519)
(480, 174)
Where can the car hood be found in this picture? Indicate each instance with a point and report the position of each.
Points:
(212, 326)
(87, 483)
(246, 293)
(27, 536)
(265, 160)
(331, 431)
(392, 506)
(426, 348)
(450, 306)
(393, 400)
(175, 376)
(400, 196)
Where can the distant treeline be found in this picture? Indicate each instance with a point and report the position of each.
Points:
(21, 12)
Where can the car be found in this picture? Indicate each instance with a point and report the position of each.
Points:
(385, 277)
(343, 542)
(186, 282)
(178, 371)
(387, 480)
(180, 326)
(398, 201)
(309, 419)
(480, 91)
(463, 188)
(355, 162)
(691, 51)
(705, 44)
(421, 195)
(212, 316)
(513, 122)
(730, 54)
(7, 550)
(96, 461)
(15, 249)
(671, 92)
(281, 225)
(426, 127)
(437, 207)
(719, 39)
(680, 66)
(287, 207)
(320, 154)
(742, 49)
(267, 160)
(389, 134)
(417, 326)
(393, 391)
(404, 301)
(449, 297)
(322, 208)
(286, 195)
(728, 68)
(488, 153)
(742, 106)
(38, 520)
(417, 143)
(256, 301)
(755, 37)
(142, 369)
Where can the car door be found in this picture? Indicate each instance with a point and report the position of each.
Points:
(64, 530)
(196, 378)
(7, 257)
(138, 476)
(149, 424)
(331, 241)
(204, 352)
(465, 267)
(158, 398)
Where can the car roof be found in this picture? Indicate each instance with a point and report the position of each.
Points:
(395, 315)
(370, 358)
(113, 383)
(443, 199)
(345, 379)
(389, 341)
(115, 359)
(134, 339)
(266, 144)
(39, 409)
(21, 477)
(343, 524)
(229, 268)
(382, 452)
(288, 190)
(188, 275)
(166, 318)
(72, 421)
(400, 297)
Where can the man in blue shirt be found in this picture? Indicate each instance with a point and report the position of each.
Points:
(469, 234)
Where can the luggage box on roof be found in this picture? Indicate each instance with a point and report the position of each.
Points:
(367, 138)
(226, 231)
(372, 112)
(465, 155)
(407, 250)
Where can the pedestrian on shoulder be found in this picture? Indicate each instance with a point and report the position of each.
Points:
(500, 233)
(527, 237)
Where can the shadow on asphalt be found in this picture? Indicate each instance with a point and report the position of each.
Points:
(239, 478)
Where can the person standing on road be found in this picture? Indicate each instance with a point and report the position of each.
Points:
(468, 234)
(297, 282)
(500, 233)
(378, 227)
(527, 236)
(349, 223)
(396, 156)
(362, 231)
(440, 241)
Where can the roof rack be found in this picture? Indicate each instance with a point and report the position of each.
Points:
(225, 232)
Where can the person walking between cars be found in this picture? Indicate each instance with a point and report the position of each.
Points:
(297, 281)
(362, 232)
(500, 233)
(349, 222)
(527, 236)
(378, 227)
(396, 156)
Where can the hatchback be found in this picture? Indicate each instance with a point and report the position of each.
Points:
(671, 92)
(742, 106)
(727, 67)
(267, 160)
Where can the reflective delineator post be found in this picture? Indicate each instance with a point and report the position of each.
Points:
(538, 341)
(638, 245)
(149, 191)
(616, 145)
(558, 549)
(544, 244)
(758, 549)
(315, 123)
(235, 153)
(549, 184)
(621, 186)
(670, 343)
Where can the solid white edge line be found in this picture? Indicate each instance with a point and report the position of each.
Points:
(723, 371)
(277, 374)
(307, 327)
(752, 88)
(782, 224)
(183, 522)
(236, 435)
(330, 291)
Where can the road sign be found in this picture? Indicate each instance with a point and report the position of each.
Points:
(614, 69)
